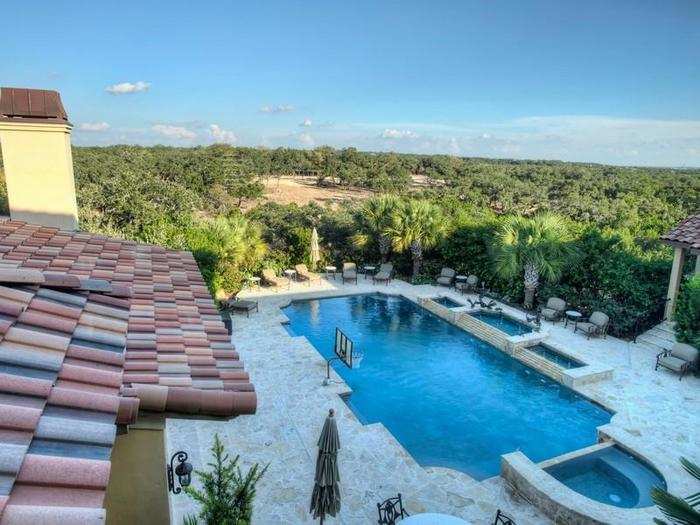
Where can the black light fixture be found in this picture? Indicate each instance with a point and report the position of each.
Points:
(183, 470)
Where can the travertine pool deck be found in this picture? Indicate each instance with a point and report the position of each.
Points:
(656, 415)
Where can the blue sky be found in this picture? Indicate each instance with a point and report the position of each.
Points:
(614, 81)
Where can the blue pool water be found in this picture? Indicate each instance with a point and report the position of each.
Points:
(450, 399)
(504, 323)
(610, 476)
(447, 302)
(555, 357)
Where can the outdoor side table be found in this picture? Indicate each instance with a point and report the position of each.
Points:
(291, 274)
(253, 282)
(369, 269)
(331, 270)
(573, 316)
(460, 283)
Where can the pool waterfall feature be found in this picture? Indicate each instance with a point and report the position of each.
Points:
(480, 323)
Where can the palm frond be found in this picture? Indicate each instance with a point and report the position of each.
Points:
(692, 468)
(674, 508)
(543, 241)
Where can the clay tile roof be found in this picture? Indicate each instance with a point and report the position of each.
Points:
(685, 235)
(31, 105)
(103, 328)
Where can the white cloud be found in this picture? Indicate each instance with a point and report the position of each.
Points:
(221, 135)
(174, 132)
(280, 108)
(398, 134)
(306, 139)
(306, 123)
(127, 87)
(93, 126)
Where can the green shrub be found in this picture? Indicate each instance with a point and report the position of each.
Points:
(226, 497)
(687, 314)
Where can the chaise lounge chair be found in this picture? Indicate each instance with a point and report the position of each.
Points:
(349, 272)
(270, 279)
(241, 305)
(554, 309)
(446, 277)
(596, 324)
(384, 274)
(304, 274)
(680, 358)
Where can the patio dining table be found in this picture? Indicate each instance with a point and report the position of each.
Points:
(433, 518)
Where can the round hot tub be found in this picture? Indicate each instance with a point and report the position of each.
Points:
(610, 475)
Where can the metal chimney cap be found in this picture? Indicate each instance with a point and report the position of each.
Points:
(31, 106)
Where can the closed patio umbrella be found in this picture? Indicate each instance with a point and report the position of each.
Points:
(325, 498)
(315, 250)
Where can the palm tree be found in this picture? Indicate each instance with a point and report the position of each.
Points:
(375, 218)
(226, 249)
(416, 225)
(679, 510)
(533, 247)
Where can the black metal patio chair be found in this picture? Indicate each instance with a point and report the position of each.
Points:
(503, 519)
(391, 510)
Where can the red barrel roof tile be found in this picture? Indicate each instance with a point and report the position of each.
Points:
(685, 235)
(92, 329)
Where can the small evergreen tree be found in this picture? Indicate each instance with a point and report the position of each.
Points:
(227, 495)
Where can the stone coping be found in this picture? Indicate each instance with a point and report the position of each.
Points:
(654, 417)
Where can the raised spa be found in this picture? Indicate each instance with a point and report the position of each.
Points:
(503, 322)
(550, 354)
(447, 302)
(611, 476)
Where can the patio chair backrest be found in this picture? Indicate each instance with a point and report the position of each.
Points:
(269, 274)
(447, 272)
(599, 319)
(557, 304)
(301, 269)
(386, 268)
(472, 280)
(391, 510)
(349, 267)
(685, 351)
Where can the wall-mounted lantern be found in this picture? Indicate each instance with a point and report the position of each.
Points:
(183, 470)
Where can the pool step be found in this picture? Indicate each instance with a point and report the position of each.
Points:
(539, 363)
(659, 338)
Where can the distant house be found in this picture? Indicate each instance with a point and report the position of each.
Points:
(93, 331)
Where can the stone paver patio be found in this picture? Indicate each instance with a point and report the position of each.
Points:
(656, 415)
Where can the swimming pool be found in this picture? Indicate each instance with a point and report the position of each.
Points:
(503, 322)
(449, 398)
(610, 476)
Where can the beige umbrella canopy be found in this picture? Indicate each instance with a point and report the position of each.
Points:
(315, 250)
(325, 499)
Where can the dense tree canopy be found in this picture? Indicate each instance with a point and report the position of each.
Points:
(192, 198)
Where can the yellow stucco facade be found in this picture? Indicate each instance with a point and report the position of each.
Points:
(38, 167)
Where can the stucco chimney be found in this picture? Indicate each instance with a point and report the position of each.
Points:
(37, 159)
